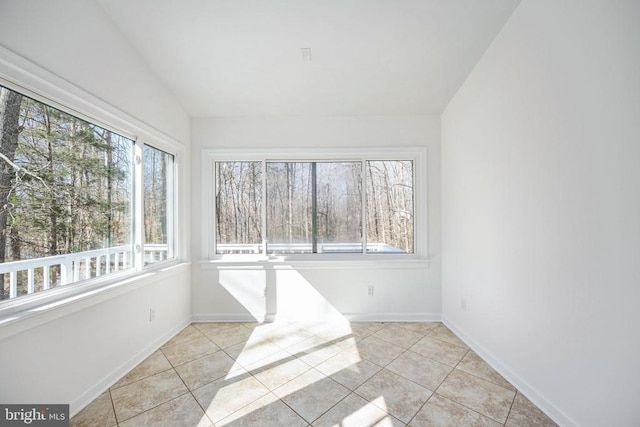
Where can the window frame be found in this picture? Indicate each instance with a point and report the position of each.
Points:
(29, 79)
(416, 154)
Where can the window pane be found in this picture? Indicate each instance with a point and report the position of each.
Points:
(390, 206)
(238, 207)
(289, 207)
(314, 207)
(158, 179)
(339, 207)
(65, 198)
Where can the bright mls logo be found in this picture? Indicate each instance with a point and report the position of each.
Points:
(34, 415)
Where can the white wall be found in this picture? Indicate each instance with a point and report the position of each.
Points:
(75, 40)
(541, 208)
(305, 290)
(71, 353)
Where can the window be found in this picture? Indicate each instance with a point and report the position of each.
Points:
(314, 207)
(390, 206)
(67, 199)
(239, 195)
(158, 205)
(340, 205)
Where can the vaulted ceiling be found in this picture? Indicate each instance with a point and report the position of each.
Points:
(368, 57)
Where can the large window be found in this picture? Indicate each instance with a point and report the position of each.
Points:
(67, 199)
(314, 206)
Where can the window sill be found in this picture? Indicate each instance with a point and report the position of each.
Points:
(25, 313)
(315, 262)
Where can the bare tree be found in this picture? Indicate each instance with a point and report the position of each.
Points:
(9, 131)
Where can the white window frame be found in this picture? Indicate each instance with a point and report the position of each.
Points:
(418, 155)
(31, 80)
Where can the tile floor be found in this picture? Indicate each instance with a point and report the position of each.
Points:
(316, 374)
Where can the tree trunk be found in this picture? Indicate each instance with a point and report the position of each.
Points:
(9, 130)
(53, 211)
(108, 160)
(290, 202)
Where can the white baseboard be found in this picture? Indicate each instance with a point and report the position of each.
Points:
(235, 317)
(393, 317)
(353, 317)
(523, 386)
(77, 404)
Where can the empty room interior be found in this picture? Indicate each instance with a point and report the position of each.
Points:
(338, 212)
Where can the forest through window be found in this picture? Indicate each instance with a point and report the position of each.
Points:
(284, 207)
(67, 188)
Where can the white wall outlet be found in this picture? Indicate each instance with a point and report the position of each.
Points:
(370, 291)
(463, 304)
(152, 314)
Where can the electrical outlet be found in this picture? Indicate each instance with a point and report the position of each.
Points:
(463, 304)
(370, 291)
(152, 314)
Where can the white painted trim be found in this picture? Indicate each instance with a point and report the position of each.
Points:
(80, 402)
(216, 317)
(327, 153)
(352, 317)
(523, 386)
(393, 317)
(361, 262)
(417, 154)
(207, 171)
(137, 226)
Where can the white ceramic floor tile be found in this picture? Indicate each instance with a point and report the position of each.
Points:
(420, 369)
(266, 411)
(348, 369)
(480, 395)
(223, 397)
(135, 398)
(399, 396)
(354, 411)
(442, 412)
(183, 410)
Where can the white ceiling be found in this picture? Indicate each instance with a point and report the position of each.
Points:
(369, 57)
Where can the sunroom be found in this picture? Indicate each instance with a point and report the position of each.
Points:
(359, 212)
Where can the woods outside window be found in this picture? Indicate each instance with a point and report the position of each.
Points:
(77, 200)
(315, 206)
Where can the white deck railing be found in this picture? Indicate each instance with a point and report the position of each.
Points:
(60, 270)
(301, 248)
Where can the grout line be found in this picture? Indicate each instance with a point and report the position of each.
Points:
(113, 406)
(293, 410)
(141, 378)
(485, 379)
(513, 401)
(201, 407)
(470, 409)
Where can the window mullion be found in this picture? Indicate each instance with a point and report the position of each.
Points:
(363, 192)
(263, 210)
(213, 238)
(314, 209)
(138, 207)
(171, 204)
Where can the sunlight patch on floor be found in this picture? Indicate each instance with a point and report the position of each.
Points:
(372, 414)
